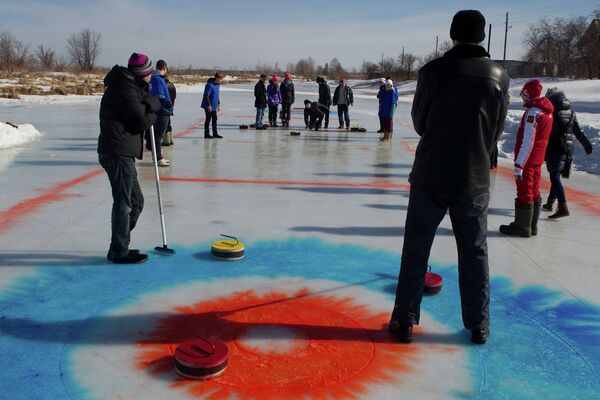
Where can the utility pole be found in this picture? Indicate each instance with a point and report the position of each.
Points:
(436, 46)
(505, 38)
(489, 38)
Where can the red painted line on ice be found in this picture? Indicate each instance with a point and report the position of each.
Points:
(588, 201)
(372, 185)
(57, 193)
(191, 129)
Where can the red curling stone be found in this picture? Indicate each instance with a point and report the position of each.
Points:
(201, 358)
(433, 283)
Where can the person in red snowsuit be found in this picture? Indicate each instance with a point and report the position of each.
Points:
(530, 150)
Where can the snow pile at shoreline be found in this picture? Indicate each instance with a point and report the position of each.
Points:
(12, 137)
(589, 123)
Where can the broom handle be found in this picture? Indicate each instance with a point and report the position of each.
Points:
(160, 208)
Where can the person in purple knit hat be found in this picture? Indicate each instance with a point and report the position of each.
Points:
(126, 111)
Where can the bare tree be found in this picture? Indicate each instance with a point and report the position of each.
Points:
(305, 67)
(45, 57)
(61, 63)
(13, 53)
(557, 45)
(335, 69)
(84, 48)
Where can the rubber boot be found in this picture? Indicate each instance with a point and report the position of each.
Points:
(522, 223)
(386, 137)
(549, 204)
(537, 206)
(561, 211)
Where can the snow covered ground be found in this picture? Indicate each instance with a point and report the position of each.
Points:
(11, 136)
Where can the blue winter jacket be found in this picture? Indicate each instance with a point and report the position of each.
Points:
(388, 102)
(211, 95)
(158, 87)
(273, 95)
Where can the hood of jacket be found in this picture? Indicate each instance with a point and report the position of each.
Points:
(121, 75)
(542, 103)
(212, 81)
(559, 101)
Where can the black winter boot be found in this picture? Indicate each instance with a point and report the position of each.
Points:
(480, 336)
(549, 204)
(522, 223)
(402, 333)
(561, 211)
(537, 205)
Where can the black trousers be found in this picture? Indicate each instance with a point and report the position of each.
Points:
(273, 114)
(210, 117)
(128, 200)
(327, 117)
(286, 112)
(469, 222)
(343, 115)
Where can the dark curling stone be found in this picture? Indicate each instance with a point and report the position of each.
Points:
(201, 358)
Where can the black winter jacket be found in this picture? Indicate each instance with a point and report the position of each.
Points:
(288, 95)
(172, 91)
(314, 112)
(324, 94)
(126, 110)
(349, 95)
(564, 127)
(260, 94)
(458, 110)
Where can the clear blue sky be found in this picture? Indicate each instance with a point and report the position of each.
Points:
(241, 33)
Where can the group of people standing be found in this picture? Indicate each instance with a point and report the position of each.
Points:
(274, 95)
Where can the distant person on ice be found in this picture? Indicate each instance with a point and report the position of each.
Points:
(126, 111)
(559, 153)
(260, 101)
(314, 113)
(211, 103)
(288, 97)
(530, 149)
(325, 98)
(168, 139)
(343, 98)
(458, 130)
(379, 96)
(387, 107)
(158, 87)
(274, 99)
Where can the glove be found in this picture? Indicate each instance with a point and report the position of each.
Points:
(518, 172)
(588, 149)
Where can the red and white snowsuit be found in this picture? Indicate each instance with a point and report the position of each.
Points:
(530, 149)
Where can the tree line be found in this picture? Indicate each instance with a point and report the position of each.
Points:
(82, 51)
(561, 47)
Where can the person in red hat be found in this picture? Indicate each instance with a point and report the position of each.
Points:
(530, 150)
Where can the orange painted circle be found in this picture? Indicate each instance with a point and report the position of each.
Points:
(336, 348)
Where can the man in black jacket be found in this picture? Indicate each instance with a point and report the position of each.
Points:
(126, 111)
(260, 102)
(324, 98)
(559, 153)
(459, 109)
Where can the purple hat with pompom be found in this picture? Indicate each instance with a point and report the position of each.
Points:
(140, 65)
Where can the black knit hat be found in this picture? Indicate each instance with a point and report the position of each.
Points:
(468, 26)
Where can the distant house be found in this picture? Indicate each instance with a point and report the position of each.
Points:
(522, 69)
(590, 49)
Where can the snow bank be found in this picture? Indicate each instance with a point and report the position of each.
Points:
(12, 137)
(590, 124)
(51, 99)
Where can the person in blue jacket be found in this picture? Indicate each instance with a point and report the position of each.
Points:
(211, 103)
(387, 107)
(158, 87)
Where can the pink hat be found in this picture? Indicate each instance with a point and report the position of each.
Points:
(532, 89)
(140, 65)
(275, 78)
(287, 75)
